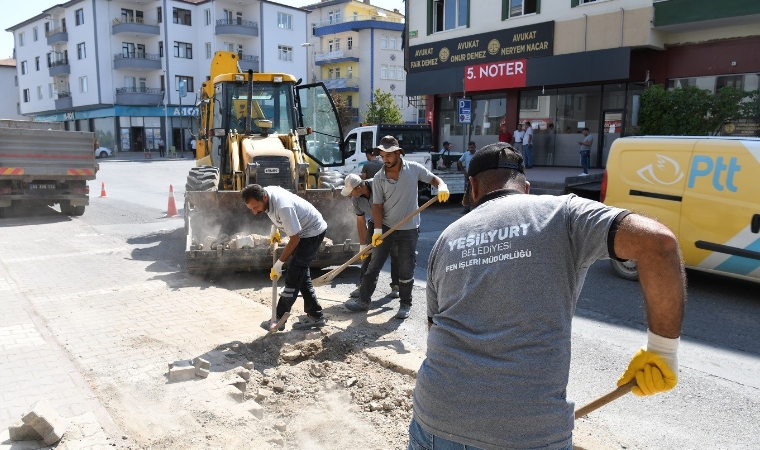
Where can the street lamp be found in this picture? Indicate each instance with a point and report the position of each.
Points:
(309, 44)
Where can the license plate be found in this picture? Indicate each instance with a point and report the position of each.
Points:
(42, 186)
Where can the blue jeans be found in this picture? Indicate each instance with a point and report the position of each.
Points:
(298, 278)
(527, 154)
(405, 243)
(586, 160)
(420, 439)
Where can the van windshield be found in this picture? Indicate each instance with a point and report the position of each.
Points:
(414, 141)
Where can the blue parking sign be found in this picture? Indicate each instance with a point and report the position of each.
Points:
(465, 110)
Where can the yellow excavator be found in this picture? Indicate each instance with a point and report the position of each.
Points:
(266, 129)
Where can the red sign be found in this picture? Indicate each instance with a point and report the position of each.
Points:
(497, 75)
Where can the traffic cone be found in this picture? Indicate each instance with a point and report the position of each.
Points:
(171, 210)
(103, 189)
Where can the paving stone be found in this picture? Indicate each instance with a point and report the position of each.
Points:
(20, 431)
(248, 365)
(203, 373)
(234, 393)
(181, 373)
(255, 409)
(43, 418)
(201, 363)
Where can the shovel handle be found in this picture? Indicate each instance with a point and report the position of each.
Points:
(329, 276)
(274, 279)
(604, 399)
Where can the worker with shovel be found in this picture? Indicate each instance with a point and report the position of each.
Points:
(305, 228)
(503, 282)
(394, 197)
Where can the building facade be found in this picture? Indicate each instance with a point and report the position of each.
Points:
(568, 64)
(10, 107)
(131, 70)
(357, 48)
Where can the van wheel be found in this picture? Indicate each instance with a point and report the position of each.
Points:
(625, 269)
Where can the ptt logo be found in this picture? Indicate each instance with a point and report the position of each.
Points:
(666, 171)
(705, 166)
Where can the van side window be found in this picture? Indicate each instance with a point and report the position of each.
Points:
(367, 141)
(350, 144)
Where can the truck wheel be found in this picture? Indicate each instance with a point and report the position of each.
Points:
(625, 269)
(69, 210)
(103, 154)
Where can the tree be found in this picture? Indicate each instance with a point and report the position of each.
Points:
(382, 109)
(345, 115)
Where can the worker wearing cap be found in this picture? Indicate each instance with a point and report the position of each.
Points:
(394, 197)
(361, 198)
(503, 282)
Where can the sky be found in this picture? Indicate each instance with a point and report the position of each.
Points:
(27, 9)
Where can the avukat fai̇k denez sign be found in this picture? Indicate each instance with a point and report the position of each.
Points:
(495, 75)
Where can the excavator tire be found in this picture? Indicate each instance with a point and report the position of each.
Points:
(203, 179)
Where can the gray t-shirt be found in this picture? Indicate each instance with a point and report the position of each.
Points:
(362, 204)
(399, 197)
(503, 282)
(293, 214)
(370, 168)
(586, 145)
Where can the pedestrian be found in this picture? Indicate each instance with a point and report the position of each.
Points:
(503, 283)
(446, 148)
(527, 145)
(161, 148)
(463, 164)
(361, 198)
(370, 168)
(192, 145)
(305, 228)
(517, 138)
(504, 135)
(586, 151)
(394, 197)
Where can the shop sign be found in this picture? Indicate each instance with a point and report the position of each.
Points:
(465, 110)
(495, 75)
(529, 41)
(743, 128)
(185, 111)
(412, 34)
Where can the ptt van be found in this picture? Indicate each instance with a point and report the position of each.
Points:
(706, 189)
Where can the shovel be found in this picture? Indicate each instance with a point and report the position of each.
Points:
(273, 323)
(329, 276)
(604, 399)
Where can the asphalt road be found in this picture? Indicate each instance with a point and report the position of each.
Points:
(715, 405)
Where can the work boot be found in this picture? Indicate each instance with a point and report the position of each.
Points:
(307, 322)
(357, 305)
(403, 311)
(266, 324)
(394, 291)
(355, 292)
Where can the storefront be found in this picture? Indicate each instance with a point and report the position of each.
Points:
(133, 128)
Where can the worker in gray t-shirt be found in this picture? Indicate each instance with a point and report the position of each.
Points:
(503, 282)
(394, 197)
(305, 229)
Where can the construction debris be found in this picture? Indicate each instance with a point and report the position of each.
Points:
(46, 422)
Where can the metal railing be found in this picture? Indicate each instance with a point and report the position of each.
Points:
(250, 58)
(336, 54)
(137, 55)
(64, 94)
(139, 20)
(139, 90)
(325, 23)
(239, 22)
(55, 31)
(59, 62)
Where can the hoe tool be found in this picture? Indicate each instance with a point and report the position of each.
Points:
(329, 276)
(604, 399)
(274, 325)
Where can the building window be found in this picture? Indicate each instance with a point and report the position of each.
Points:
(183, 50)
(400, 73)
(47, 28)
(392, 43)
(208, 50)
(330, 74)
(161, 49)
(35, 34)
(383, 72)
(181, 16)
(384, 41)
(207, 16)
(337, 44)
(350, 101)
(79, 17)
(517, 8)
(23, 68)
(330, 16)
(39, 92)
(350, 42)
(450, 14)
(337, 72)
(285, 21)
(350, 72)
(188, 83)
(81, 52)
(82, 84)
(337, 16)
(37, 63)
(528, 101)
(160, 14)
(392, 72)
(51, 90)
(21, 40)
(587, 1)
(15, 80)
(26, 95)
(736, 81)
(284, 53)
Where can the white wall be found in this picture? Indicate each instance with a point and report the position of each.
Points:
(9, 94)
(272, 36)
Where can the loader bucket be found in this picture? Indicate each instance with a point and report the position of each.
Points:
(223, 235)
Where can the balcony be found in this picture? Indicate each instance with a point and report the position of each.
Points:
(249, 62)
(356, 23)
(59, 67)
(63, 101)
(690, 15)
(136, 26)
(337, 56)
(137, 96)
(342, 84)
(136, 61)
(237, 27)
(57, 35)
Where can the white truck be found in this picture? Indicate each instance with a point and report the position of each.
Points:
(417, 142)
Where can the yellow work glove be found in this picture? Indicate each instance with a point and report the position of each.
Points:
(376, 241)
(443, 193)
(276, 272)
(275, 237)
(655, 367)
(361, 249)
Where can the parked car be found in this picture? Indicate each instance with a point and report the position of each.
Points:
(102, 152)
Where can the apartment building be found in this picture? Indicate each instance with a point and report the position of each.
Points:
(131, 70)
(568, 64)
(10, 107)
(357, 48)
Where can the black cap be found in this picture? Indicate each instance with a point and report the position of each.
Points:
(446, 143)
(496, 156)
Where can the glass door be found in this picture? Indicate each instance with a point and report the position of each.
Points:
(612, 129)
